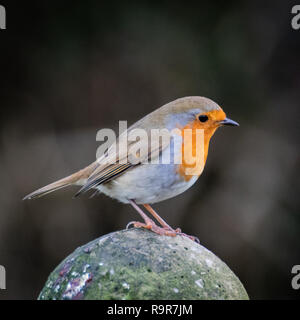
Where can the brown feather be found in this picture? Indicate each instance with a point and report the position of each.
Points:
(62, 183)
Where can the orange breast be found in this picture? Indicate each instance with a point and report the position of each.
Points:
(194, 151)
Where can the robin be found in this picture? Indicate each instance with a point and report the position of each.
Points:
(144, 183)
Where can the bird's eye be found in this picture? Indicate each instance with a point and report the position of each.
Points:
(203, 118)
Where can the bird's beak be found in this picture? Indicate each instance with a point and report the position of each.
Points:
(228, 122)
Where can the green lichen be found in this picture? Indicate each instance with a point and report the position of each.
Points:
(138, 264)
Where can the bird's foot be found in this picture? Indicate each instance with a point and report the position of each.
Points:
(193, 238)
(165, 231)
(180, 233)
(151, 225)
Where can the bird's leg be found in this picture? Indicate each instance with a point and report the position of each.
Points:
(165, 225)
(159, 218)
(149, 223)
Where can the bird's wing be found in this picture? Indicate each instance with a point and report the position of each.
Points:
(118, 159)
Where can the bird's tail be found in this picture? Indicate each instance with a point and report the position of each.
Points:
(73, 179)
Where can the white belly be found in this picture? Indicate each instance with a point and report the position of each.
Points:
(147, 183)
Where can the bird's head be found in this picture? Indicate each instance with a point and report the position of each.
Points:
(196, 112)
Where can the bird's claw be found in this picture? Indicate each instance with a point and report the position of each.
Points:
(180, 233)
(150, 225)
(193, 238)
(161, 231)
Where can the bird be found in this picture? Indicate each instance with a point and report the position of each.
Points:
(142, 183)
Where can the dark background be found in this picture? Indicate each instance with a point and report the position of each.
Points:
(69, 69)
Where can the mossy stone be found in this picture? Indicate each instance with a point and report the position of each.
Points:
(139, 264)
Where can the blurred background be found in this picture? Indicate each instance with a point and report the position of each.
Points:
(69, 69)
